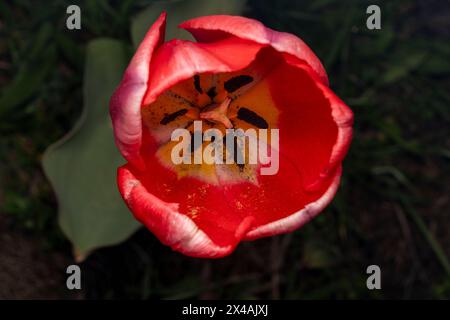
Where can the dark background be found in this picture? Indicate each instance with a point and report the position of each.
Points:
(392, 208)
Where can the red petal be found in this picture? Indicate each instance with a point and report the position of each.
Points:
(315, 125)
(179, 60)
(214, 28)
(125, 104)
(299, 218)
(315, 133)
(279, 203)
(184, 213)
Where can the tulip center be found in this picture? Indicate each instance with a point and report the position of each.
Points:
(235, 100)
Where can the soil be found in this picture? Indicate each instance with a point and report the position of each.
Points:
(29, 271)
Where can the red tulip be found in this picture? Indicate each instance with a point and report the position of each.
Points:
(238, 74)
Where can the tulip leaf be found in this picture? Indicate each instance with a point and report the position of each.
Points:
(179, 11)
(82, 165)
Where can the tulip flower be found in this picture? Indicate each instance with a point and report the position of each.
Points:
(238, 74)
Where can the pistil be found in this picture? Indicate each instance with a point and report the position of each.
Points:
(218, 113)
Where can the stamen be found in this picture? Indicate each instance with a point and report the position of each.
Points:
(253, 118)
(212, 93)
(236, 151)
(181, 99)
(237, 82)
(172, 116)
(197, 83)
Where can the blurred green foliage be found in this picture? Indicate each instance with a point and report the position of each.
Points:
(392, 208)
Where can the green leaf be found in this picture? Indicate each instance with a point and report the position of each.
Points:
(82, 165)
(179, 11)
